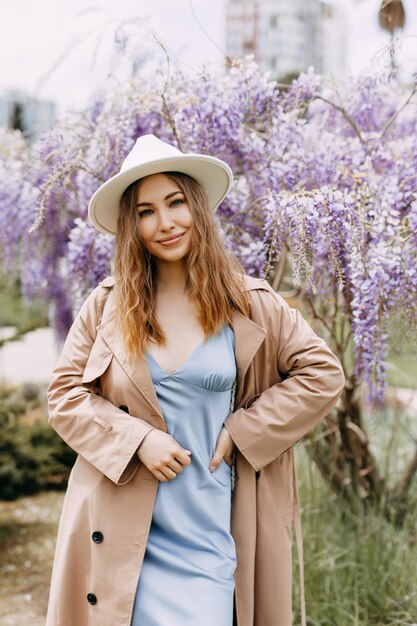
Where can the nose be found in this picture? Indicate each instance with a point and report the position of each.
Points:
(165, 219)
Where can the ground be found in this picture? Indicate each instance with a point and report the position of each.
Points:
(27, 541)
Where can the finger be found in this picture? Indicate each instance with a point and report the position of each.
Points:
(159, 475)
(175, 466)
(224, 435)
(169, 473)
(216, 459)
(183, 456)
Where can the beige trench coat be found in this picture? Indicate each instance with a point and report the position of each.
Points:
(103, 403)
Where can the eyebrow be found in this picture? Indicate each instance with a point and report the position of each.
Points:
(173, 193)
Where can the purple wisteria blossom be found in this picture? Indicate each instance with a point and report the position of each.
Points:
(324, 172)
(87, 259)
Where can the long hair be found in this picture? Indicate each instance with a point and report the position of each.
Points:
(214, 275)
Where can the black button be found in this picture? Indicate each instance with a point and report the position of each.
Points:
(92, 598)
(124, 408)
(257, 473)
(97, 536)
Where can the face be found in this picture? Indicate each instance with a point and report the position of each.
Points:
(163, 212)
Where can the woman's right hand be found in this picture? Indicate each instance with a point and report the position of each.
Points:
(162, 455)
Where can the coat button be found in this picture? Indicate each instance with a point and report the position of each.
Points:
(92, 598)
(97, 536)
(124, 408)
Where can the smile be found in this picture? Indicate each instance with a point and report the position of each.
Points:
(171, 242)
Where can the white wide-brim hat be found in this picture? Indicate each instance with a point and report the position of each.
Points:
(151, 155)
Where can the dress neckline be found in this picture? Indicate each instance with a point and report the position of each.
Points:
(178, 369)
(181, 367)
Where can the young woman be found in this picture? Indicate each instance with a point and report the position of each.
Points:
(183, 385)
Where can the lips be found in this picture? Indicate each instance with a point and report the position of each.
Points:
(176, 236)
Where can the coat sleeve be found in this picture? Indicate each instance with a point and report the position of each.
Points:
(106, 436)
(313, 381)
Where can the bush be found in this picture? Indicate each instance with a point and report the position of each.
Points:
(32, 456)
(18, 313)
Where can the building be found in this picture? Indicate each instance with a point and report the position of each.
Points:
(333, 33)
(288, 36)
(22, 112)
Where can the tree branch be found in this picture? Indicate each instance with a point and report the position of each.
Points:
(394, 117)
(164, 102)
(345, 115)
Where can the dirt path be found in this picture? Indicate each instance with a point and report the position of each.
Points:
(30, 359)
(27, 541)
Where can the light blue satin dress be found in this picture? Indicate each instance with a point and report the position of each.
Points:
(187, 574)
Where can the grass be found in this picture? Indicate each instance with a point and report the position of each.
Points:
(359, 571)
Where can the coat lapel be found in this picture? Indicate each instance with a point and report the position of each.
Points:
(135, 367)
(248, 338)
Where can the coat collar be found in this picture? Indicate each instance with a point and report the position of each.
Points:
(248, 338)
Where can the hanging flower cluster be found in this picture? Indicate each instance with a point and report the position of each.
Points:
(327, 172)
(349, 223)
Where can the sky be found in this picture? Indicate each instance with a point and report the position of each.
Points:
(64, 50)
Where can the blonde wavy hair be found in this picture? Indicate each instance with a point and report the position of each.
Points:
(214, 281)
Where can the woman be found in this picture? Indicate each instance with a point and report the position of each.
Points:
(150, 534)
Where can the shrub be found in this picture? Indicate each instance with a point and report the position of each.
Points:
(32, 456)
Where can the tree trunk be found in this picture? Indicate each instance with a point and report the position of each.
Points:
(341, 452)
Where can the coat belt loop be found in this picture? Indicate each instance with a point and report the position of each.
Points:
(299, 541)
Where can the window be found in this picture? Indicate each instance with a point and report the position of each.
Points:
(273, 21)
(326, 10)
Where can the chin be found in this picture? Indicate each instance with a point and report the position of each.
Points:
(176, 255)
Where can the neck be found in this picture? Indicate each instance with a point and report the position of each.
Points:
(171, 277)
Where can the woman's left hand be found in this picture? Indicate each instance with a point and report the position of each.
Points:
(224, 449)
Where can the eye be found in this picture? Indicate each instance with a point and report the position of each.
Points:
(143, 212)
(177, 200)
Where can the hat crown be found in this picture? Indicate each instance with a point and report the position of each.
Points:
(149, 148)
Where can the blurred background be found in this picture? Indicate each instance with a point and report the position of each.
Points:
(58, 60)
(55, 56)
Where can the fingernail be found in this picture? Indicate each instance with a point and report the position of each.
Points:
(211, 468)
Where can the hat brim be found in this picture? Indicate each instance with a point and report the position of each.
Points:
(214, 175)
